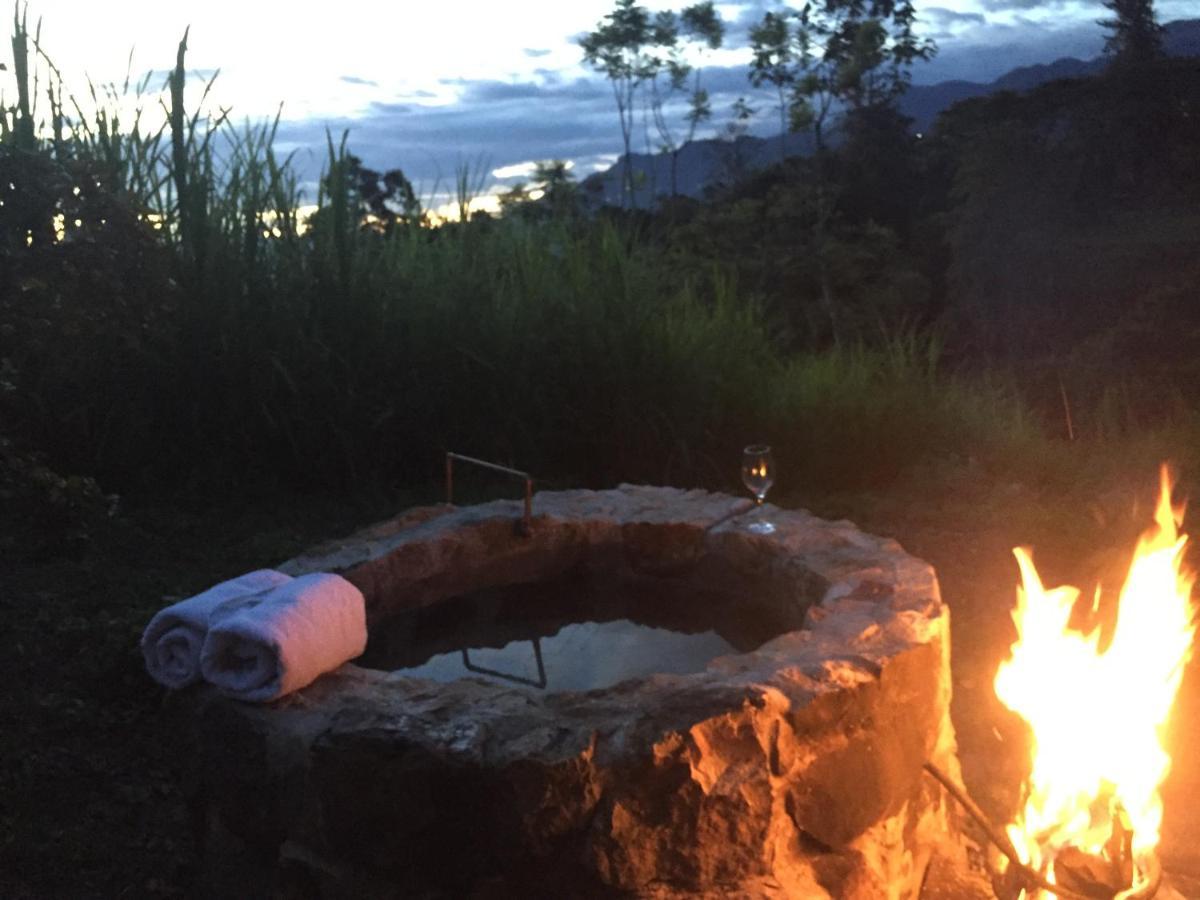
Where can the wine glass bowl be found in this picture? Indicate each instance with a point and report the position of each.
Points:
(758, 471)
(758, 474)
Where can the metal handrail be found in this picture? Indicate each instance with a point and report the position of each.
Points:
(526, 518)
(537, 655)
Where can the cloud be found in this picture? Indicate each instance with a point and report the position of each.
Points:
(986, 52)
(939, 22)
(551, 89)
(390, 109)
(940, 17)
(501, 125)
(155, 75)
(497, 126)
(943, 25)
(740, 17)
(1025, 5)
(522, 170)
(517, 170)
(354, 79)
(535, 54)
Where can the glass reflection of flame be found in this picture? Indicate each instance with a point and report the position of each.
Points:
(758, 474)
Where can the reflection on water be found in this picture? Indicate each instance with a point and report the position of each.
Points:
(584, 656)
(573, 634)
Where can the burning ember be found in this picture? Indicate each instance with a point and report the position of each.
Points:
(1093, 810)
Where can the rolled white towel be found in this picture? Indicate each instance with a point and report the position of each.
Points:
(282, 640)
(172, 641)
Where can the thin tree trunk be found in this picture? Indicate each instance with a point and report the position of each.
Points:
(624, 95)
(651, 180)
(782, 127)
(828, 301)
(627, 136)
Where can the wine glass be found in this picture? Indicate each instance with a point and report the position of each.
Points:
(758, 474)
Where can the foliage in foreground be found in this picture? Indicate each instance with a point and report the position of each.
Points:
(207, 335)
(172, 323)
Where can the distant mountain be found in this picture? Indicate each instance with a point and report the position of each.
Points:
(924, 102)
(1182, 38)
(700, 165)
(704, 164)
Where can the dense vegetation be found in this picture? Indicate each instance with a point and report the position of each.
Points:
(168, 322)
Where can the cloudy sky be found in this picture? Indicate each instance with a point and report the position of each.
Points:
(426, 87)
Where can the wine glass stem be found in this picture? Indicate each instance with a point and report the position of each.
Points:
(758, 500)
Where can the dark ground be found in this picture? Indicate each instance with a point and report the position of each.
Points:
(89, 801)
(89, 798)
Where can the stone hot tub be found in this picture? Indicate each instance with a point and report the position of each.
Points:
(781, 758)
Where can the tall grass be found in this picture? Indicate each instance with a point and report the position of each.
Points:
(338, 354)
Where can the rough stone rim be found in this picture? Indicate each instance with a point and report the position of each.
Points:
(869, 673)
(871, 578)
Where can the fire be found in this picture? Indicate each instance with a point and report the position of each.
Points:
(1097, 717)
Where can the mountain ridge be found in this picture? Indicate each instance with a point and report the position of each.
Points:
(709, 162)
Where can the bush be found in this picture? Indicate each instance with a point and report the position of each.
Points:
(43, 512)
(183, 328)
(86, 330)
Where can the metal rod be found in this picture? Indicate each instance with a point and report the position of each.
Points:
(518, 679)
(1151, 874)
(527, 517)
(741, 509)
(537, 653)
(999, 838)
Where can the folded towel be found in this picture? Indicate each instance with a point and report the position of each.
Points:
(172, 641)
(278, 642)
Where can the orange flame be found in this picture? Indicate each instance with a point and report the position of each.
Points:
(1097, 717)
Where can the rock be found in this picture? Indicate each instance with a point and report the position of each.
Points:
(791, 771)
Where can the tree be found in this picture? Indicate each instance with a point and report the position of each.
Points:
(774, 63)
(514, 198)
(372, 201)
(385, 198)
(1135, 37)
(551, 192)
(856, 54)
(733, 164)
(853, 53)
(557, 183)
(698, 28)
(623, 47)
